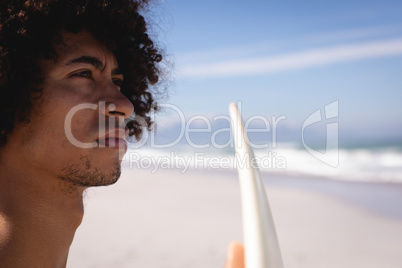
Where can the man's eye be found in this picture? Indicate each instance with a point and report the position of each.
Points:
(86, 74)
(118, 82)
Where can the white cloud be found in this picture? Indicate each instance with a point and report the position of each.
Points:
(292, 61)
(225, 53)
(267, 46)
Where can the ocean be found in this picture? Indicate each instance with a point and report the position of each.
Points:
(370, 163)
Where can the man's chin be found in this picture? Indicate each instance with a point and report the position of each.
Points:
(90, 177)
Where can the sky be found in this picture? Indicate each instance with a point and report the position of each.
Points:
(286, 58)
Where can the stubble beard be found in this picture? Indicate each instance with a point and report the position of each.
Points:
(85, 174)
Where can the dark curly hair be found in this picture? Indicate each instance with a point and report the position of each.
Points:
(29, 30)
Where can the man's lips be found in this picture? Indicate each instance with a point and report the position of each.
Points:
(114, 138)
(112, 142)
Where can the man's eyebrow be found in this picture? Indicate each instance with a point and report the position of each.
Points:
(97, 63)
(117, 71)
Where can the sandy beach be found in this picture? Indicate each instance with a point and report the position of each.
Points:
(173, 220)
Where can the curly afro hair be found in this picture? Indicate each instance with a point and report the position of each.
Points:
(30, 29)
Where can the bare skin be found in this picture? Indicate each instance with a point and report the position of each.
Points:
(235, 257)
(43, 174)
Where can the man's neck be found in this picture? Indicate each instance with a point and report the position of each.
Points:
(38, 218)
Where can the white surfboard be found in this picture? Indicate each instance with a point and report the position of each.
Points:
(260, 239)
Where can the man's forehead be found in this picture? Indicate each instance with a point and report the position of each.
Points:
(83, 47)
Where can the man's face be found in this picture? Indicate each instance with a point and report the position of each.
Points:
(76, 130)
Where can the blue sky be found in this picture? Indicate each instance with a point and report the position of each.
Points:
(288, 58)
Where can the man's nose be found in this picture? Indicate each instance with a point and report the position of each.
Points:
(117, 104)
